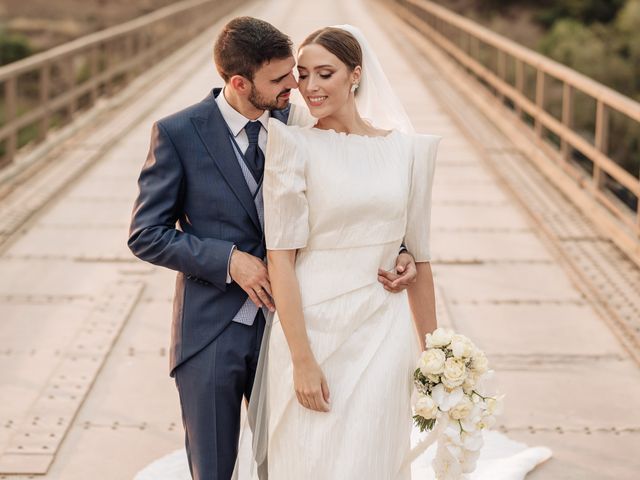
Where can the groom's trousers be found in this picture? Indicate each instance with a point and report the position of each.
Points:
(211, 385)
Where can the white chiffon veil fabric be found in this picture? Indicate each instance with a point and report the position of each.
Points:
(251, 462)
(375, 98)
(378, 104)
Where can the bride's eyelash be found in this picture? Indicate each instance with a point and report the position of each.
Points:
(325, 76)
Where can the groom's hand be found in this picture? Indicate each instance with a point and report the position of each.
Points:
(251, 274)
(405, 274)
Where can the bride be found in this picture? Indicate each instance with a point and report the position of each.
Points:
(332, 398)
(340, 198)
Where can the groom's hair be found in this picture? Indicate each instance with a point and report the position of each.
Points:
(247, 43)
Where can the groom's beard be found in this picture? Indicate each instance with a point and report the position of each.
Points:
(262, 103)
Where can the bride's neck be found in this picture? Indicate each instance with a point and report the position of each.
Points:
(346, 120)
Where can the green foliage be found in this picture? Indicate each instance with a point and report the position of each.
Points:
(424, 424)
(628, 20)
(585, 11)
(591, 50)
(599, 38)
(627, 30)
(13, 47)
(610, 54)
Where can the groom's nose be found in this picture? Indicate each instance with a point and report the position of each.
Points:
(291, 81)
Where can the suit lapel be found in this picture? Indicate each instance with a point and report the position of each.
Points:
(214, 133)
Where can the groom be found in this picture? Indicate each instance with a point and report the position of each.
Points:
(200, 212)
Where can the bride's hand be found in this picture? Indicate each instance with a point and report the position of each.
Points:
(311, 386)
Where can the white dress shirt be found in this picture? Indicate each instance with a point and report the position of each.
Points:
(236, 123)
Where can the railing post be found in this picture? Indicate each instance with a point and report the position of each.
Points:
(45, 86)
(638, 221)
(475, 47)
(108, 62)
(466, 44)
(601, 142)
(519, 83)
(93, 74)
(128, 54)
(10, 106)
(539, 100)
(567, 120)
(502, 71)
(69, 73)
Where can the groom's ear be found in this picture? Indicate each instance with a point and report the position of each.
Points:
(240, 84)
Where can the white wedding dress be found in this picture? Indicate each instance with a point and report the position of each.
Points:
(347, 202)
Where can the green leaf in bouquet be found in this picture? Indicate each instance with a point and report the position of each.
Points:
(419, 377)
(423, 423)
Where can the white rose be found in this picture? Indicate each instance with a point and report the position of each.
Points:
(469, 383)
(440, 337)
(479, 362)
(432, 362)
(462, 409)
(461, 346)
(426, 407)
(455, 372)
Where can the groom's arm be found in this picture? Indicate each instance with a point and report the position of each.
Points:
(153, 235)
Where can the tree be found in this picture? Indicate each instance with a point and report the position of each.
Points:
(13, 47)
(586, 11)
(591, 51)
(627, 26)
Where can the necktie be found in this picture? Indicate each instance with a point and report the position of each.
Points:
(254, 155)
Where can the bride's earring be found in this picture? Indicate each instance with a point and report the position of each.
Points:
(354, 87)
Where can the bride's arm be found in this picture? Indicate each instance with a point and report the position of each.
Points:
(422, 302)
(309, 381)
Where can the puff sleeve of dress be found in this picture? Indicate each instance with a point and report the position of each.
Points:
(417, 234)
(286, 212)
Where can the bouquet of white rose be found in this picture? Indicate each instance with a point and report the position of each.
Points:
(450, 380)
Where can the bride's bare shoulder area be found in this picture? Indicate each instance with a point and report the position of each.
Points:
(379, 132)
(373, 131)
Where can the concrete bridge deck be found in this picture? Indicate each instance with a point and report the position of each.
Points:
(84, 326)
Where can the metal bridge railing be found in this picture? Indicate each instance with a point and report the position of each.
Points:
(46, 90)
(544, 96)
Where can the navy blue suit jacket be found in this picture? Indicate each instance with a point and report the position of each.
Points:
(193, 205)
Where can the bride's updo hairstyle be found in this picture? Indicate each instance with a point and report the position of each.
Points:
(339, 42)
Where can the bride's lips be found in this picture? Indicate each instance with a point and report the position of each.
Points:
(317, 100)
